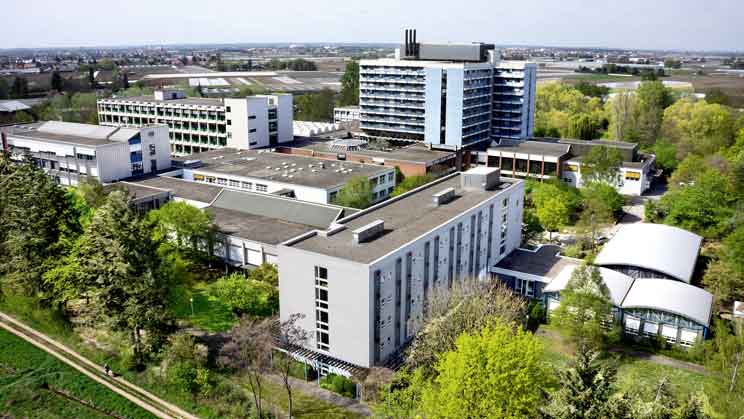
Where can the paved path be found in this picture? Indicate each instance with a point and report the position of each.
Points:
(131, 392)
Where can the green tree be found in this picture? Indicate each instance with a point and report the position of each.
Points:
(582, 127)
(19, 90)
(724, 277)
(23, 117)
(411, 183)
(727, 359)
(702, 207)
(553, 214)
(585, 306)
(666, 156)
(586, 385)
(4, 89)
(356, 193)
(38, 222)
(564, 109)
(592, 89)
(267, 273)
(185, 364)
(621, 112)
(190, 229)
(246, 296)
(652, 99)
(699, 127)
(601, 204)
(716, 96)
(496, 372)
(315, 106)
(532, 229)
(130, 288)
(57, 81)
(601, 164)
(350, 84)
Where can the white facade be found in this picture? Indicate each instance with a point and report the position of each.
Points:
(362, 312)
(631, 180)
(69, 151)
(447, 104)
(202, 124)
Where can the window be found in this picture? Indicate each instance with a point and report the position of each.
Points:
(261, 188)
(571, 167)
(252, 130)
(391, 175)
(332, 196)
(152, 149)
(227, 109)
(198, 178)
(153, 165)
(321, 272)
(247, 185)
(252, 117)
(632, 176)
(221, 181)
(234, 183)
(505, 202)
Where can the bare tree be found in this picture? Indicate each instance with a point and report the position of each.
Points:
(249, 351)
(289, 335)
(466, 307)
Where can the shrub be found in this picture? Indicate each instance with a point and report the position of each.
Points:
(339, 384)
(246, 296)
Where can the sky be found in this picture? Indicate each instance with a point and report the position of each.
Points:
(642, 24)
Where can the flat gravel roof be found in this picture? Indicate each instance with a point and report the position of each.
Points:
(406, 218)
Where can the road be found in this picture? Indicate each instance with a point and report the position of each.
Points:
(131, 392)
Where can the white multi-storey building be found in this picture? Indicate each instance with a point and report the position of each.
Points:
(201, 124)
(69, 152)
(446, 95)
(363, 283)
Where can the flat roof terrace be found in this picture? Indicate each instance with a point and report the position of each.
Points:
(406, 218)
(278, 167)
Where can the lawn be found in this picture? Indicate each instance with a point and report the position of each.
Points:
(305, 407)
(209, 313)
(634, 374)
(34, 384)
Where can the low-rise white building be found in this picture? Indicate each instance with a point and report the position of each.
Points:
(345, 114)
(363, 283)
(69, 152)
(202, 124)
(304, 178)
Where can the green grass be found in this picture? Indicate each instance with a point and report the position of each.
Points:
(304, 406)
(25, 371)
(643, 376)
(210, 314)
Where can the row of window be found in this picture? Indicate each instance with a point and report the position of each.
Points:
(322, 337)
(249, 186)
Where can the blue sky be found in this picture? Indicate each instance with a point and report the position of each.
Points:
(672, 24)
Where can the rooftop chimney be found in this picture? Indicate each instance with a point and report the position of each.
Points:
(369, 232)
(444, 196)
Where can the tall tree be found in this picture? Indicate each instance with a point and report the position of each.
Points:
(57, 81)
(36, 218)
(19, 89)
(699, 127)
(586, 387)
(131, 288)
(621, 112)
(289, 334)
(553, 214)
(496, 372)
(190, 229)
(601, 203)
(653, 97)
(727, 358)
(248, 351)
(601, 164)
(350, 84)
(4, 89)
(585, 307)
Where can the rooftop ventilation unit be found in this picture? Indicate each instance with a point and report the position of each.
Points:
(443, 197)
(368, 232)
(481, 178)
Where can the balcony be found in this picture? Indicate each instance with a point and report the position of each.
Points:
(392, 96)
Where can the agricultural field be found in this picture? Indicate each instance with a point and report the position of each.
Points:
(34, 384)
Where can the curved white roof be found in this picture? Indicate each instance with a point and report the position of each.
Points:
(672, 297)
(662, 248)
(617, 283)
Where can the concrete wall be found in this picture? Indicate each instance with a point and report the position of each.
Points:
(285, 115)
(455, 86)
(433, 105)
(348, 301)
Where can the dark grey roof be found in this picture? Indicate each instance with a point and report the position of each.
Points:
(134, 190)
(406, 218)
(278, 208)
(544, 262)
(255, 227)
(536, 147)
(415, 153)
(184, 189)
(271, 166)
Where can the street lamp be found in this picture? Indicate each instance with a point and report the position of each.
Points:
(191, 300)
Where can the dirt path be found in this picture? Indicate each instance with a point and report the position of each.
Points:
(131, 392)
